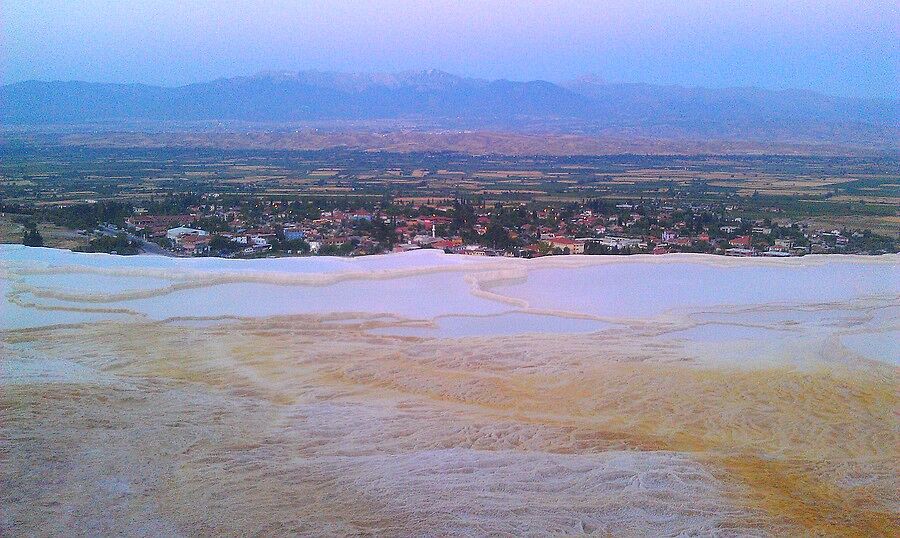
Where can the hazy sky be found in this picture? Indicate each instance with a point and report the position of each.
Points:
(832, 46)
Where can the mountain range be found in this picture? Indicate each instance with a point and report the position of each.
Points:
(445, 100)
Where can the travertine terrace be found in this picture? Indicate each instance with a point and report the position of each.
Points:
(428, 394)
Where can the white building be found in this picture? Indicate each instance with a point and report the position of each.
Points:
(175, 233)
(620, 243)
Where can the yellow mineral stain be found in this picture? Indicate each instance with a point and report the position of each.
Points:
(768, 433)
(814, 505)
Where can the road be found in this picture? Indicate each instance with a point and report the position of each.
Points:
(146, 246)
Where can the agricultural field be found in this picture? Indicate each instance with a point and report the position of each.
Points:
(842, 188)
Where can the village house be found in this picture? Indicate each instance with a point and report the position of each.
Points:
(194, 243)
(783, 245)
(568, 246)
(293, 234)
(360, 215)
(741, 241)
(156, 225)
(446, 244)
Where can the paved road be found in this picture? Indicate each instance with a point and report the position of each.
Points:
(146, 246)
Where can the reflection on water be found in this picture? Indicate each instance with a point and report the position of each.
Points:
(882, 346)
(642, 289)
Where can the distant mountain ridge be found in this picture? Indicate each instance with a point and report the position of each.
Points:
(579, 106)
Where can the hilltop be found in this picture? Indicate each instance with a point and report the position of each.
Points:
(435, 100)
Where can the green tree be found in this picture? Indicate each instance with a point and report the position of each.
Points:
(223, 244)
(119, 244)
(497, 237)
(384, 233)
(32, 238)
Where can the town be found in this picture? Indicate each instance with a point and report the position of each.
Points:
(228, 226)
(231, 203)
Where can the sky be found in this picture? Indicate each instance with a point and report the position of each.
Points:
(838, 47)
